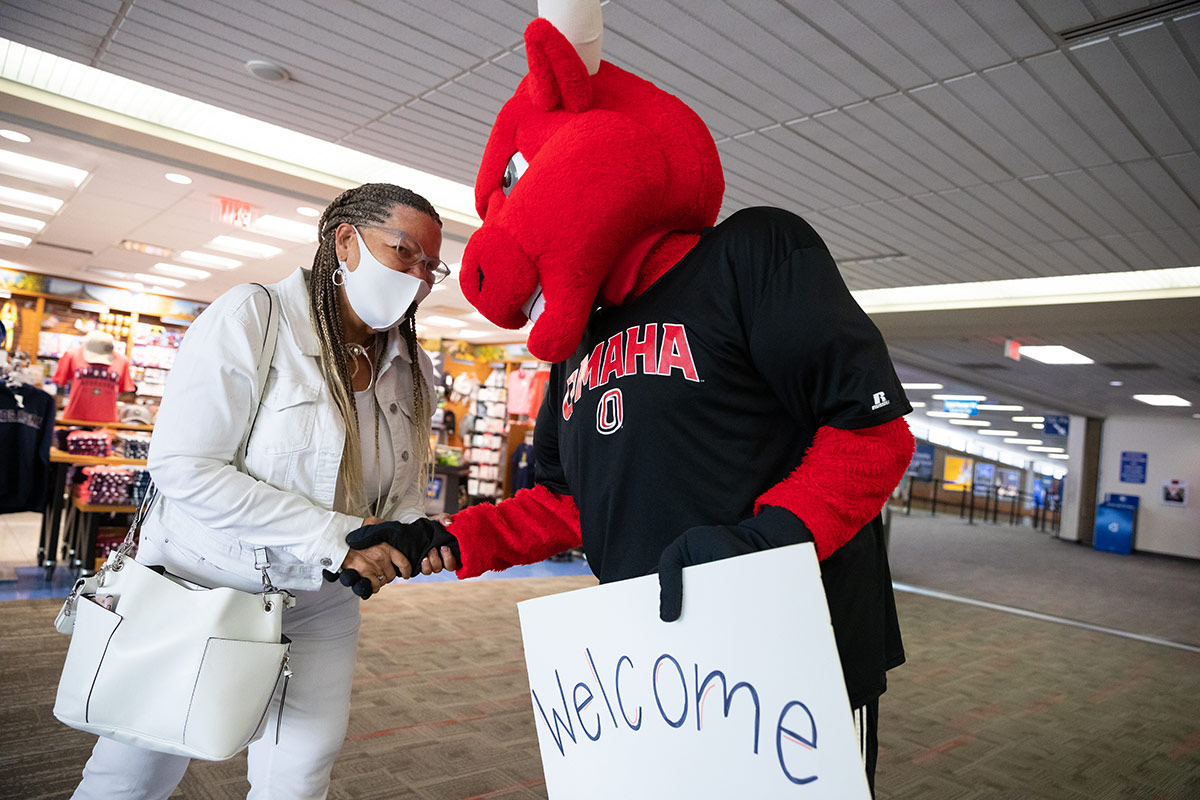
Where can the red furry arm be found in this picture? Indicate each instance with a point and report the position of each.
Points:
(843, 481)
(528, 527)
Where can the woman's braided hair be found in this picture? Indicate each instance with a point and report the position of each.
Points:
(371, 203)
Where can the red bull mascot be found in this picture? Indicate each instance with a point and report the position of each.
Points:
(716, 390)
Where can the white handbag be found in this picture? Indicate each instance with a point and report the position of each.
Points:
(164, 664)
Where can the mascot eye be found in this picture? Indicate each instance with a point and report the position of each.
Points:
(513, 172)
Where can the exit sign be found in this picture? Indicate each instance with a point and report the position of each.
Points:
(1012, 349)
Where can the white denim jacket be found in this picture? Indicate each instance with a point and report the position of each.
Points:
(284, 497)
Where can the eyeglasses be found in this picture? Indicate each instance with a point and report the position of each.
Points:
(411, 254)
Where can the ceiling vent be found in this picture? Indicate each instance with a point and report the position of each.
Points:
(267, 71)
(1131, 366)
(1155, 12)
(68, 248)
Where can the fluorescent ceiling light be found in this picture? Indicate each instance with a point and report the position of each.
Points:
(175, 177)
(947, 414)
(40, 171)
(206, 260)
(1059, 456)
(16, 223)
(14, 240)
(916, 386)
(159, 280)
(287, 229)
(917, 404)
(997, 433)
(470, 334)
(999, 408)
(15, 136)
(1116, 383)
(1028, 419)
(1054, 354)
(29, 200)
(1023, 441)
(143, 247)
(243, 247)
(971, 423)
(1043, 449)
(83, 305)
(188, 273)
(306, 211)
(1102, 287)
(1161, 399)
(137, 106)
(445, 322)
(964, 397)
(1037, 426)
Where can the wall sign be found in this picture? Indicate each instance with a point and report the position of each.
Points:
(1133, 467)
(1056, 425)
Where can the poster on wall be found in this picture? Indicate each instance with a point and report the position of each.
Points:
(1008, 481)
(1133, 467)
(956, 474)
(627, 706)
(1175, 493)
(921, 467)
(985, 474)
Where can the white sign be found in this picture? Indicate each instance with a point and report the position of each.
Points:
(742, 697)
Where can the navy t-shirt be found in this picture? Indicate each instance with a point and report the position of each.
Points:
(685, 404)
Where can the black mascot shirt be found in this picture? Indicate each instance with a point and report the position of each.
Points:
(685, 404)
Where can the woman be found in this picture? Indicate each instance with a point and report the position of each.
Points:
(340, 440)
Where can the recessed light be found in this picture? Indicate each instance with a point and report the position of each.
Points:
(919, 386)
(14, 240)
(978, 398)
(29, 201)
(1116, 383)
(159, 280)
(188, 273)
(287, 229)
(445, 322)
(997, 433)
(16, 223)
(972, 423)
(175, 177)
(267, 71)
(40, 171)
(207, 260)
(243, 247)
(306, 211)
(15, 136)
(1023, 441)
(1054, 354)
(1161, 399)
(1028, 419)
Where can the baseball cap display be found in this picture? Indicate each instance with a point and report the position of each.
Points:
(98, 347)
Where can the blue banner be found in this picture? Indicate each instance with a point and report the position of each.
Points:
(968, 407)
(921, 467)
(1056, 425)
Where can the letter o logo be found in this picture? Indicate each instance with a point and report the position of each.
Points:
(610, 412)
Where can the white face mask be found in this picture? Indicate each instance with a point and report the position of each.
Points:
(380, 296)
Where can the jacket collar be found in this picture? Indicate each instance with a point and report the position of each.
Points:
(293, 296)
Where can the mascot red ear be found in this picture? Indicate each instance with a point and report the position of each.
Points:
(587, 170)
(557, 75)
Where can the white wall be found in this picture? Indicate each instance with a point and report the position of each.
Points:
(1173, 452)
(1076, 433)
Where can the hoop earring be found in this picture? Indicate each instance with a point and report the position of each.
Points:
(338, 273)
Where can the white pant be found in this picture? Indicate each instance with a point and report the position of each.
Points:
(323, 628)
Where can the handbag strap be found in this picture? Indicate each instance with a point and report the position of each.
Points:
(261, 562)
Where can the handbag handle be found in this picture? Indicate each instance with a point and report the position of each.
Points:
(261, 562)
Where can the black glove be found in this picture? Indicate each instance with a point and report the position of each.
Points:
(771, 527)
(413, 539)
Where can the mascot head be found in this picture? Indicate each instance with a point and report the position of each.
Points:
(586, 169)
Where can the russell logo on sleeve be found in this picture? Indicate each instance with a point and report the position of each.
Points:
(879, 400)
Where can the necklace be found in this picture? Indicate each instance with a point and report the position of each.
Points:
(358, 351)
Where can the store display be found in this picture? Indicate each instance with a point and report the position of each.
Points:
(89, 443)
(485, 437)
(106, 486)
(131, 445)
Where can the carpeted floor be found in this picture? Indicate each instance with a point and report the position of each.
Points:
(990, 704)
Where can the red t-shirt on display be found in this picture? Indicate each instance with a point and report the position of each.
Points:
(94, 387)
